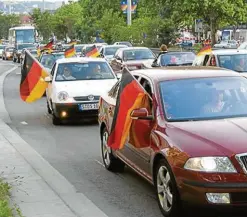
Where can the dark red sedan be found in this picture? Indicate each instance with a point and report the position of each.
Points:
(195, 137)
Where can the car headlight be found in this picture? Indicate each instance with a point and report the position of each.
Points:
(210, 164)
(63, 96)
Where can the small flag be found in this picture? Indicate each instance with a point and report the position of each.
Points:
(70, 51)
(92, 52)
(205, 50)
(49, 45)
(33, 85)
(134, 97)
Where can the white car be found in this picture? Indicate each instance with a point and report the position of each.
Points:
(227, 44)
(108, 51)
(75, 86)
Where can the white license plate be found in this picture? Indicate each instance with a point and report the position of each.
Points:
(84, 107)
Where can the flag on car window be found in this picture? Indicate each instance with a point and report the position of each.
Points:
(205, 50)
(33, 85)
(92, 52)
(134, 97)
(70, 51)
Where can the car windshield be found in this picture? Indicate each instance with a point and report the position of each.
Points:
(110, 51)
(78, 48)
(22, 46)
(235, 62)
(48, 60)
(84, 71)
(138, 54)
(204, 98)
(9, 49)
(2, 47)
(176, 59)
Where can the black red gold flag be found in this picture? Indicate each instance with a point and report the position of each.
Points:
(33, 85)
(70, 51)
(134, 97)
(93, 52)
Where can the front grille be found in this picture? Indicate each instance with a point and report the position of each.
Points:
(85, 98)
(242, 159)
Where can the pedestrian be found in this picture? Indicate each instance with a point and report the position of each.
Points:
(163, 50)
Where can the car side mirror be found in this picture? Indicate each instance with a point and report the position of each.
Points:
(141, 114)
(154, 64)
(118, 58)
(48, 79)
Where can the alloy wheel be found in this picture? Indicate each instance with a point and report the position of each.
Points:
(164, 189)
(106, 149)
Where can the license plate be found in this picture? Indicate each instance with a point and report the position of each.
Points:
(84, 107)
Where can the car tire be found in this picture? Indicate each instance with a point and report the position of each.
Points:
(55, 120)
(111, 163)
(166, 188)
(3, 58)
(19, 61)
(14, 60)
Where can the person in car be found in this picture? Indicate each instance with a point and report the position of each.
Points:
(163, 50)
(216, 104)
(67, 75)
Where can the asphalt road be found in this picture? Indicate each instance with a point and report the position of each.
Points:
(74, 150)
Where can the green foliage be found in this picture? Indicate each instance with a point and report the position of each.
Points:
(5, 209)
(6, 22)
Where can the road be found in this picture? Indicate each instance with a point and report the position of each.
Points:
(74, 150)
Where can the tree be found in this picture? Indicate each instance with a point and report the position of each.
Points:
(215, 13)
(6, 22)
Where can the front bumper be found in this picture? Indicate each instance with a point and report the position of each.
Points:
(194, 187)
(72, 111)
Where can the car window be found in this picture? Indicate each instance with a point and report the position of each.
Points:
(76, 71)
(236, 62)
(138, 54)
(48, 60)
(223, 97)
(110, 51)
(176, 59)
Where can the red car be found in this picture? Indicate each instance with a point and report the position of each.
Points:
(195, 136)
(133, 58)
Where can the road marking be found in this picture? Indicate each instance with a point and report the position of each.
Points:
(98, 162)
(18, 73)
(24, 123)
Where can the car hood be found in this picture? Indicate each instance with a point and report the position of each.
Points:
(85, 87)
(210, 138)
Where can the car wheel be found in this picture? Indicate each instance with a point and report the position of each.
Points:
(19, 61)
(166, 190)
(56, 120)
(110, 161)
(14, 60)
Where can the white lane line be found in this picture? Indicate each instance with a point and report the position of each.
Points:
(98, 162)
(18, 73)
(24, 123)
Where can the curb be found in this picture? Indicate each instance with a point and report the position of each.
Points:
(78, 203)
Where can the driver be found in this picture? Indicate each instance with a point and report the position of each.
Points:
(67, 75)
(216, 104)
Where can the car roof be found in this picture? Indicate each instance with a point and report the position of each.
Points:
(184, 72)
(80, 59)
(116, 45)
(229, 51)
(134, 48)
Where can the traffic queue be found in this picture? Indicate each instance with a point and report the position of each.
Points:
(178, 119)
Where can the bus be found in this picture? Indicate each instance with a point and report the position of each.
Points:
(22, 34)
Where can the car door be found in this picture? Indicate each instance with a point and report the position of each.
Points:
(140, 131)
(49, 89)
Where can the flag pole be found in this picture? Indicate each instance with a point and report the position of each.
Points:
(129, 3)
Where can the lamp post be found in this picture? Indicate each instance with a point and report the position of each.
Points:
(129, 19)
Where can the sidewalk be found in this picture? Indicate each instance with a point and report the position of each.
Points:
(38, 189)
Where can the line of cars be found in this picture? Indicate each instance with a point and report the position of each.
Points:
(194, 134)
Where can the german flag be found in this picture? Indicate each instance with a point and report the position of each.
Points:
(70, 51)
(205, 50)
(134, 97)
(93, 52)
(49, 45)
(32, 85)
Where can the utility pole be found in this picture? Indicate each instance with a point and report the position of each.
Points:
(129, 11)
(43, 8)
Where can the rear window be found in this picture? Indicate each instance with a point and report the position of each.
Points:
(48, 60)
(84, 71)
(176, 59)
